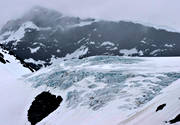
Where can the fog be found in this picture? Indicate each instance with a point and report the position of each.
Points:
(159, 12)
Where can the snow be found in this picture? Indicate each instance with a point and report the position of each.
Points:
(30, 60)
(115, 48)
(34, 50)
(143, 41)
(130, 52)
(16, 96)
(95, 29)
(19, 34)
(105, 90)
(154, 45)
(30, 25)
(92, 42)
(81, 40)
(78, 53)
(141, 53)
(148, 116)
(169, 45)
(41, 44)
(124, 86)
(107, 43)
(155, 51)
(58, 50)
(14, 67)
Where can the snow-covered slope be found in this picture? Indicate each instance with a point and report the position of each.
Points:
(15, 96)
(100, 90)
(148, 115)
(109, 90)
(111, 115)
(12, 64)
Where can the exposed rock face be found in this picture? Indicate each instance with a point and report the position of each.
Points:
(44, 104)
(2, 59)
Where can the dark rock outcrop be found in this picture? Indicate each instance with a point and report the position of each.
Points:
(176, 119)
(44, 104)
(161, 107)
(2, 59)
(26, 65)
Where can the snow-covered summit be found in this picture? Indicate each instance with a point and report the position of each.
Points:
(19, 34)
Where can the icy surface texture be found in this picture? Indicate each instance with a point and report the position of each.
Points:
(96, 81)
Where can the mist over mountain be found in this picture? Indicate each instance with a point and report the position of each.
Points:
(43, 34)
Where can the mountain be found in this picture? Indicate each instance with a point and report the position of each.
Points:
(81, 77)
(43, 34)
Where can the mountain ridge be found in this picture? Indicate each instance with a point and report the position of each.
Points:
(43, 34)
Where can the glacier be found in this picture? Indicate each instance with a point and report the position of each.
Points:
(94, 82)
(99, 90)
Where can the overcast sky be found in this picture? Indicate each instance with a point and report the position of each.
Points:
(158, 12)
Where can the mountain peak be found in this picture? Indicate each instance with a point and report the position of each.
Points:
(42, 17)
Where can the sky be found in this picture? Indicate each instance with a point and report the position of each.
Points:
(163, 13)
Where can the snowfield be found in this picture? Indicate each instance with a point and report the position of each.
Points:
(100, 90)
(16, 97)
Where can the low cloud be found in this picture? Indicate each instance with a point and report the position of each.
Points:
(159, 12)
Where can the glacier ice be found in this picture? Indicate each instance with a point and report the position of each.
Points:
(95, 81)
